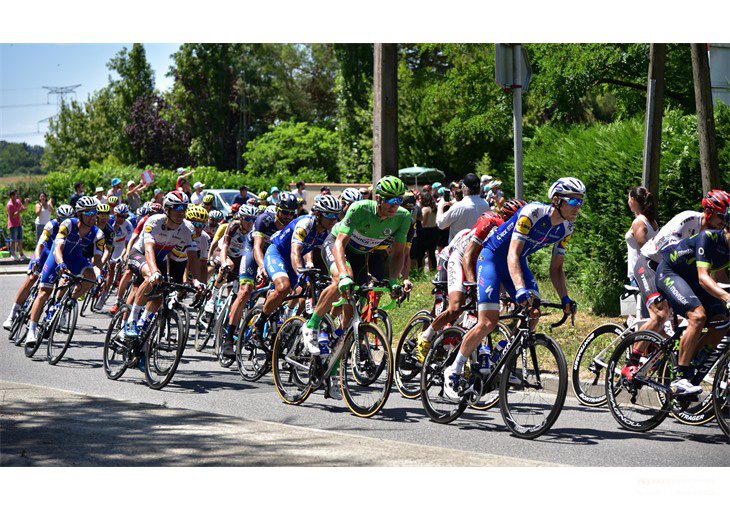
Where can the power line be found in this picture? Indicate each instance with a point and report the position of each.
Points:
(26, 105)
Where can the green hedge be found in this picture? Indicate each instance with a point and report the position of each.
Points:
(608, 159)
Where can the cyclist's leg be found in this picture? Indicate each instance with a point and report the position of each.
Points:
(279, 273)
(644, 272)
(332, 292)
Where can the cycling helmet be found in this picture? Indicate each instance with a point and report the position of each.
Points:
(390, 186)
(270, 208)
(208, 199)
(409, 200)
(216, 216)
(155, 208)
(235, 208)
(494, 216)
(148, 204)
(248, 210)
(717, 201)
(197, 213)
(511, 207)
(350, 195)
(121, 209)
(113, 200)
(328, 204)
(65, 212)
(143, 211)
(263, 195)
(174, 198)
(86, 203)
(566, 186)
(103, 209)
(287, 201)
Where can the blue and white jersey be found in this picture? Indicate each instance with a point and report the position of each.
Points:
(301, 231)
(74, 244)
(532, 225)
(265, 227)
(49, 234)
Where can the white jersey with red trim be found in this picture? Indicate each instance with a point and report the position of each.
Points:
(166, 239)
(682, 226)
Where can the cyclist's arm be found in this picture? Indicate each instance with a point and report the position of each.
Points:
(194, 264)
(107, 253)
(513, 262)
(338, 250)
(224, 250)
(128, 248)
(397, 258)
(296, 257)
(557, 275)
(468, 261)
(710, 285)
(258, 250)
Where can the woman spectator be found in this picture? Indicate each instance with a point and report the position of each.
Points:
(43, 211)
(644, 226)
(430, 233)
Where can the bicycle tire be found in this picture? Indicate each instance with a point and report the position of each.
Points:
(203, 332)
(70, 307)
(407, 368)
(365, 396)
(164, 349)
(490, 399)
(520, 404)
(40, 333)
(444, 348)
(623, 394)
(16, 328)
(291, 363)
(589, 363)
(218, 339)
(252, 362)
(721, 394)
(184, 314)
(699, 409)
(86, 301)
(117, 350)
(381, 318)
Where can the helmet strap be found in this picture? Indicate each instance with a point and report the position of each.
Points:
(560, 202)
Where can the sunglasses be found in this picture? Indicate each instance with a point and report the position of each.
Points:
(88, 213)
(198, 224)
(180, 207)
(287, 212)
(573, 202)
(393, 201)
(249, 219)
(330, 216)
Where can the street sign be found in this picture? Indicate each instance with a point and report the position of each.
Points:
(504, 67)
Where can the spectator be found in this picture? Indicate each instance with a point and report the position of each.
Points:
(78, 193)
(158, 196)
(184, 186)
(100, 196)
(463, 214)
(133, 200)
(429, 236)
(182, 175)
(455, 190)
(197, 197)
(243, 196)
(15, 224)
(325, 191)
(300, 192)
(274, 198)
(116, 189)
(43, 211)
(495, 197)
(366, 193)
(486, 179)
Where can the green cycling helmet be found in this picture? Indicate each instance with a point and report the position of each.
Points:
(390, 186)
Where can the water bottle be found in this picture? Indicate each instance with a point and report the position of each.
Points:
(498, 350)
(438, 303)
(324, 344)
(483, 356)
(335, 337)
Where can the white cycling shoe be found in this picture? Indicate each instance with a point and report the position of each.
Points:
(451, 383)
(684, 387)
(8, 323)
(333, 389)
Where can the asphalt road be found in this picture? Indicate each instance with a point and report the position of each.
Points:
(580, 437)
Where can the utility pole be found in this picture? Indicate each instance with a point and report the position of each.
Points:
(61, 92)
(385, 111)
(709, 164)
(517, 117)
(654, 112)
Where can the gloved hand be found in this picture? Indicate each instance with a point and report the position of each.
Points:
(60, 268)
(155, 277)
(522, 295)
(345, 284)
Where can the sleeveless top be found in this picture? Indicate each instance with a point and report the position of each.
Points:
(633, 246)
(44, 216)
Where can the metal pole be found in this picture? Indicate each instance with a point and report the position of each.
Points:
(646, 177)
(517, 115)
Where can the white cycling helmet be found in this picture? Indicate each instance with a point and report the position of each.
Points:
(215, 215)
(566, 186)
(174, 198)
(86, 203)
(270, 208)
(350, 195)
(65, 212)
(248, 210)
(328, 204)
(121, 209)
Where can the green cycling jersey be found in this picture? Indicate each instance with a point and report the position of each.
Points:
(367, 231)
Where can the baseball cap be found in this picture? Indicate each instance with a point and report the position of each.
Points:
(116, 181)
(486, 177)
(130, 183)
(99, 188)
(180, 171)
(274, 189)
(471, 181)
(198, 185)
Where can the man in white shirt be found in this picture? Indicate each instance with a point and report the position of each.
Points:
(466, 212)
(197, 197)
(300, 192)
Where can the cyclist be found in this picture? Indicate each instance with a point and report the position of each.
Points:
(208, 203)
(683, 277)
(459, 258)
(252, 262)
(74, 235)
(377, 259)
(366, 225)
(103, 215)
(284, 258)
(503, 262)
(214, 220)
(198, 216)
(122, 233)
(162, 232)
(511, 207)
(38, 259)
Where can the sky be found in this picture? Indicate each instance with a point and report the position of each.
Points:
(26, 68)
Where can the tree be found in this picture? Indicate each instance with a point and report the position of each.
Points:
(19, 158)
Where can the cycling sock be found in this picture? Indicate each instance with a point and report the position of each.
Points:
(229, 332)
(428, 334)
(214, 294)
(459, 363)
(314, 322)
(147, 315)
(32, 327)
(136, 311)
(684, 372)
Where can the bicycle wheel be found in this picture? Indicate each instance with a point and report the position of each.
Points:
(443, 351)
(382, 319)
(59, 336)
(292, 363)
(19, 328)
(41, 332)
(635, 404)
(721, 394)
(219, 335)
(164, 349)
(203, 330)
(366, 370)
(590, 361)
(407, 367)
(87, 301)
(697, 409)
(118, 353)
(252, 361)
(529, 408)
(184, 314)
(490, 398)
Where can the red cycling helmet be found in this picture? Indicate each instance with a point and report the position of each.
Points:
(494, 217)
(511, 207)
(716, 201)
(235, 208)
(155, 208)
